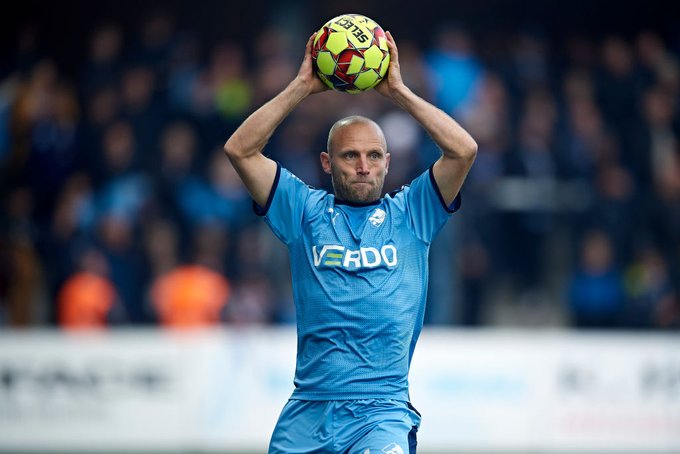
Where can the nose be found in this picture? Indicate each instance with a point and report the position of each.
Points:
(362, 166)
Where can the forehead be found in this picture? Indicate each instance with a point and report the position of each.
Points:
(359, 135)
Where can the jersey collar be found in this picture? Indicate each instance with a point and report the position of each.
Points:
(357, 204)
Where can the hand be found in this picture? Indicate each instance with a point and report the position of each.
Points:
(306, 75)
(393, 82)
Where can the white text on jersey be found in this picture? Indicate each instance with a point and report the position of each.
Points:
(365, 257)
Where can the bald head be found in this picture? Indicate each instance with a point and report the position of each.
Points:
(357, 159)
(348, 121)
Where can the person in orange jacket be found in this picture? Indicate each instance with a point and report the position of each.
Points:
(190, 296)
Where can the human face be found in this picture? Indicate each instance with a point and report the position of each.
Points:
(357, 162)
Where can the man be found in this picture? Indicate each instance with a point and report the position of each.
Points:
(359, 266)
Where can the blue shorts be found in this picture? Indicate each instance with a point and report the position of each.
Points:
(371, 426)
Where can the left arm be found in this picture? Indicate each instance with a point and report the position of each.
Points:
(458, 147)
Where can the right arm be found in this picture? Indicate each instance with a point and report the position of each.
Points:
(244, 147)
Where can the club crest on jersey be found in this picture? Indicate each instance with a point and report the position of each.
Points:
(365, 257)
(393, 448)
(378, 217)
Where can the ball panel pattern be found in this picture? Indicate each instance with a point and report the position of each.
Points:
(350, 53)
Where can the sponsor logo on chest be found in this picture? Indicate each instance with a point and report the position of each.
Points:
(364, 257)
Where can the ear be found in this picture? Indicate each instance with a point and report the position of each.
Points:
(325, 162)
(387, 162)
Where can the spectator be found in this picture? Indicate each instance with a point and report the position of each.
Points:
(276, 64)
(54, 151)
(143, 108)
(585, 142)
(661, 196)
(104, 63)
(454, 67)
(184, 71)
(189, 297)
(120, 200)
(23, 283)
(658, 65)
(613, 204)
(8, 93)
(177, 168)
(123, 187)
(156, 34)
(212, 246)
(296, 149)
(618, 87)
(251, 302)
(102, 109)
(32, 103)
(68, 232)
(482, 236)
(534, 163)
(161, 247)
(528, 66)
(88, 299)
(654, 303)
(116, 239)
(21, 268)
(230, 80)
(596, 296)
(221, 198)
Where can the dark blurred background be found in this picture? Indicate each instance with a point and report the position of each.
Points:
(119, 208)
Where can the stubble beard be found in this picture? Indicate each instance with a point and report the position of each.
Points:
(356, 193)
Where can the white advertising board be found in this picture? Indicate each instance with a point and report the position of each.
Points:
(560, 392)
(485, 391)
(143, 390)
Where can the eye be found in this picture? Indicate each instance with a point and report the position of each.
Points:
(350, 155)
(375, 155)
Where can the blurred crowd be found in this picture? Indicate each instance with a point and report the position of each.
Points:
(119, 207)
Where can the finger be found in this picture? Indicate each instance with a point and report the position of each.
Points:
(310, 42)
(391, 44)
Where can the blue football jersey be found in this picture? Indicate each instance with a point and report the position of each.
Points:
(359, 275)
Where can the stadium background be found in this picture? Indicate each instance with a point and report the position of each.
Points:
(112, 118)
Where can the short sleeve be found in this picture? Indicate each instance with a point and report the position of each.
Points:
(425, 206)
(285, 206)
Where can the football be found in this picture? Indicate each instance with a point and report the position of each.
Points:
(350, 53)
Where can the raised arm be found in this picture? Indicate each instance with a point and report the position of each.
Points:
(244, 147)
(458, 147)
